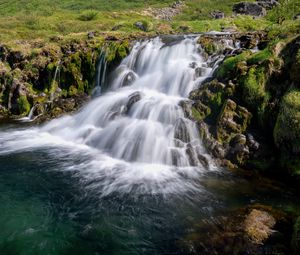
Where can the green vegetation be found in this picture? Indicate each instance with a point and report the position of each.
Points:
(36, 19)
(287, 128)
(24, 106)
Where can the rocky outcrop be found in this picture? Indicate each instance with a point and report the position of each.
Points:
(249, 8)
(243, 115)
(49, 77)
(166, 13)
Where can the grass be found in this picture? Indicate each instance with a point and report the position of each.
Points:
(45, 19)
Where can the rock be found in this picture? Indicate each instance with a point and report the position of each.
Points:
(233, 120)
(217, 15)
(255, 229)
(267, 4)
(129, 78)
(117, 27)
(193, 65)
(140, 26)
(296, 17)
(249, 8)
(111, 38)
(259, 225)
(91, 35)
(133, 98)
(194, 158)
(181, 131)
(253, 145)
(200, 71)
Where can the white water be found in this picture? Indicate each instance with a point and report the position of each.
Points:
(131, 147)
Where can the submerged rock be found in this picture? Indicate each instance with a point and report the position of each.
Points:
(256, 229)
(259, 225)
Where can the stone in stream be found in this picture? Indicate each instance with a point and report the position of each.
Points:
(181, 132)
(129, 79)
(133, 98)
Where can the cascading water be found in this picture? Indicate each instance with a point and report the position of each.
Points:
(135, 134)
(128, 173)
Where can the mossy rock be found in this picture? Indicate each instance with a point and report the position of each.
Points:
(287, 128)
(23, 105)
(228, 69)
(232, 120)
(208, 99)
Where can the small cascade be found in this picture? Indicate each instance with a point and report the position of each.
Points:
(100, 74)
(136, 133)
(56, 75)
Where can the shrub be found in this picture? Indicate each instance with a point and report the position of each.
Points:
(88, 15)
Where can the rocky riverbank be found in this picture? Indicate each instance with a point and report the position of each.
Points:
(248, 114)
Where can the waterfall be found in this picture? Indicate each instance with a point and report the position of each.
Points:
(136, 134)
(56, 73)
(100, 74)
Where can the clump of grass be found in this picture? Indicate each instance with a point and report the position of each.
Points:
(88, 15)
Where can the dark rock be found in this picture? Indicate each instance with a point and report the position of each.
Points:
(117, 27)
(91, 35)
(296, 17)
(200, 71)
(186, 106)
(181, 131)
(133, 98)
(249, 8)
(140, 26)
(267, 4)
(217, 15)
(195, 158)
(111, 38)
(129, 79)
(253, 145)
(193, 65)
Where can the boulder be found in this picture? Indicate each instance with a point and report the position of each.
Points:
(217, 15)
(249, 8)
(181, 131)
(140, 26)
(267, 4)
(133, 98)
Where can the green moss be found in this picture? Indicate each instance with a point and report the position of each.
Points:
(117, 51)
(253, 87)
(259, 57)
(228, 68)
(287, 128)
(24, 106)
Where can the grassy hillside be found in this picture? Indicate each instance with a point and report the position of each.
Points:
(43, 19)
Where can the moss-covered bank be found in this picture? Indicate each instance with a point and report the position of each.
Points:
(252, 108)
(41, 75)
